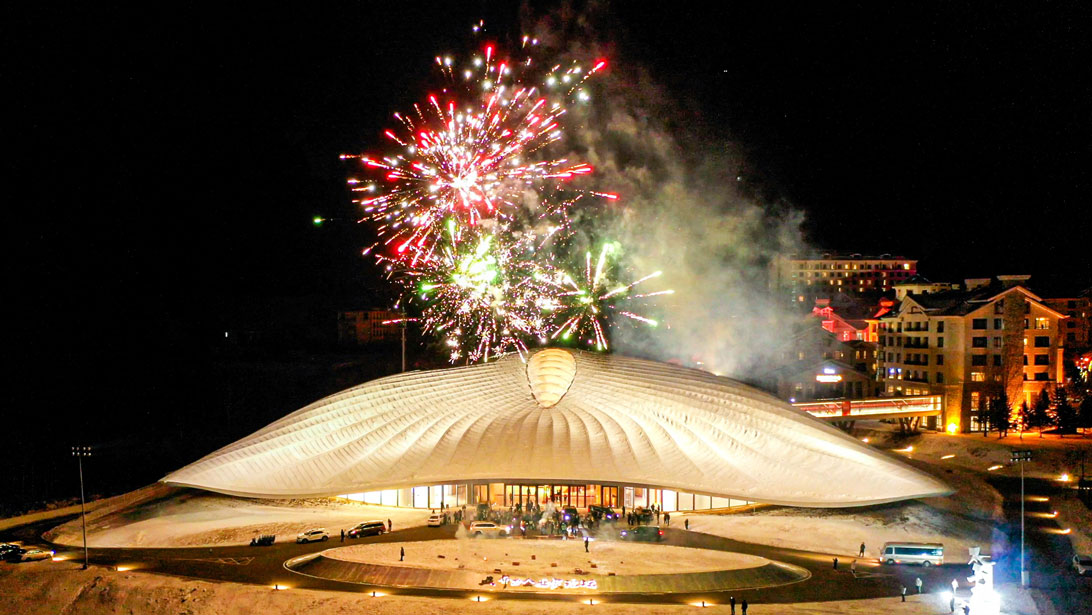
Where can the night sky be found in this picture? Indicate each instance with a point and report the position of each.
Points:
(167, 164)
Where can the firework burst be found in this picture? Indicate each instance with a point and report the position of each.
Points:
(472, 213)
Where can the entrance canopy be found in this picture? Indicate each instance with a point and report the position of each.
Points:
(562, 416)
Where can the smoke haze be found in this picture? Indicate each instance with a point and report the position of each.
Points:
(680, 211)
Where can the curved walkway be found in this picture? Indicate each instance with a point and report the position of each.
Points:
(322, 566)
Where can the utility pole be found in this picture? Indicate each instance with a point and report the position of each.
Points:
(1021, 457)
(79, 452)
(403, 342)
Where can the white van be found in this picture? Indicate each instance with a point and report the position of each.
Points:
(924, 553)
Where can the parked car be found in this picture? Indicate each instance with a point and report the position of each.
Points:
(604, 512)
(435, 521)
(6, 548)
(315, 535)
(643, 533)
(368, 528)
(569, 513)
(488, 529)
(1083, 564)
(21, 554)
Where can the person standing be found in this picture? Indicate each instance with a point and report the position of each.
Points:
(917, 582)
(667, 519)
(744, 605)
(732, 603)
(402, 558)
(687, 524)
(390, 526)
(836, 563)
(951, 604)
(904, 593)
(861, 554)
(955, 586)
(586, 545)
(853, 568)
(342, 534)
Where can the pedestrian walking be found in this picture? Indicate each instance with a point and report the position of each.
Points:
(966, 608)
(586, 545)
(951, 604)
(836, 563)
(687, 524)
(917, 582)
(342, 535)
(402, 557)
(853, 567)
(955, 586)
(744, 606)
(904, 593)
(390, 526)
(861, 554)
(732, 603)
(667, 519)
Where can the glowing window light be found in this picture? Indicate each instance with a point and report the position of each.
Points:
(992, 468)
(947, 456)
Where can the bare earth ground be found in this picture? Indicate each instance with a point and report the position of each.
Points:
(621, 558)
(47, 588)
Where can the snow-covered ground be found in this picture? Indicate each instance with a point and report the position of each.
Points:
(542, 557)
(46, 588)
(184, 517)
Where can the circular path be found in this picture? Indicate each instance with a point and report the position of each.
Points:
(552, 566)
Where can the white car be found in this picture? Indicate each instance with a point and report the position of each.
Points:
(31, 555)
(488, 529)
(1083, 564)
(316, 535)
(435, 521)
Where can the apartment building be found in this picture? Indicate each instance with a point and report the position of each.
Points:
(994, 336)
(804, 280)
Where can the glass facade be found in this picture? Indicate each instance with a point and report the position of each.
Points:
(505, 495)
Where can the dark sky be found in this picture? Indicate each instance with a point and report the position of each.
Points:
(167, 161)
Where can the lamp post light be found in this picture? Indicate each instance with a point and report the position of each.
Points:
(1021, 457)
(79, 452)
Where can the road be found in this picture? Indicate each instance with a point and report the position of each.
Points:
(1048, 551)
(264, 566)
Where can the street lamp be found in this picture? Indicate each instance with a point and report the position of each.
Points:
(1022, 457)
(79, 452)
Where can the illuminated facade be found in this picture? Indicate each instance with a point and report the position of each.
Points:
(972, 344)
(566, 426)
(808, 279)
(368, 326)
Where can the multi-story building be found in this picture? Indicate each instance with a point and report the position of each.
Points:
(1078, 325)
(806, 279)
(822, 365)
(360, 327)
(970, 345)
(920, 285)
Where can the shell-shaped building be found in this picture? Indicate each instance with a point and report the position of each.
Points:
(574, 427)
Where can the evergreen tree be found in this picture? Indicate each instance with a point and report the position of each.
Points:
(999, 414)
(1024, 418)
(1084, 414)
(1040, 412)
(983, 412)
(1065, 416)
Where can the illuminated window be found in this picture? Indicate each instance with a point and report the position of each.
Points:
(977, 377)
(1042, 323)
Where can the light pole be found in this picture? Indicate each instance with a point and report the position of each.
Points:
(1021, 457)
(79, 452)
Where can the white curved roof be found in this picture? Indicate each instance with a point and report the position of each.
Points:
(564, 416)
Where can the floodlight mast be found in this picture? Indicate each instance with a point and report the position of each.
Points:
(1020, 457)
(79, 452)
